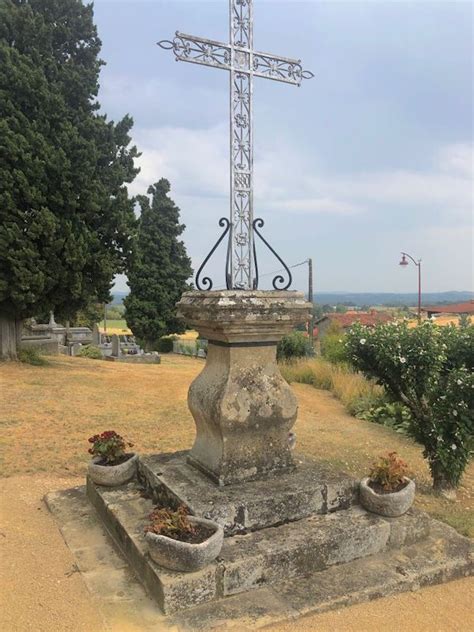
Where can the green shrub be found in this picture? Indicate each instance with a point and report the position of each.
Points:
(428, 369)
(391, 414)
(165, 344)
(333, 348)
(32, 355)
(90, 351)
(294, 345)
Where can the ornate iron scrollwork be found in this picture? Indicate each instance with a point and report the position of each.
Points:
(206, 282)
(279, 279)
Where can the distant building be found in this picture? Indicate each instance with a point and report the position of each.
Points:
(453, 308)
(369, 319)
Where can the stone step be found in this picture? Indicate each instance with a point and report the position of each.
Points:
(260, 558)
(312, 488)
(443, 556)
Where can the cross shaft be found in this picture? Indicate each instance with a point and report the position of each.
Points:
(243, 64)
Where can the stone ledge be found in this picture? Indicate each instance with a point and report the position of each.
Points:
(309, 489)
(254, 560)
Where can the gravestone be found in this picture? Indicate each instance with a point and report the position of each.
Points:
(96, 337)
(115, 346)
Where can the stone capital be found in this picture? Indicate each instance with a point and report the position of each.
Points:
(244, 315)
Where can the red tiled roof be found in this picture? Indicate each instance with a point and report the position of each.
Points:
(453, 308)
(364, 318)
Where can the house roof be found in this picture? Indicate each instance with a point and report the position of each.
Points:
(364, 318)
(453, 308)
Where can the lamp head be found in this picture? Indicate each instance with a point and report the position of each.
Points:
(404, 261)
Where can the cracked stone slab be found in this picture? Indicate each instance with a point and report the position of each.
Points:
(310, 489)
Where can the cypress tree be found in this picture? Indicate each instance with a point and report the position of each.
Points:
(160, 268)
(65, 216)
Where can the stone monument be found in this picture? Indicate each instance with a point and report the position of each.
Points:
(286, 517)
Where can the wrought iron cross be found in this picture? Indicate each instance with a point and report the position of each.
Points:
(243, 63)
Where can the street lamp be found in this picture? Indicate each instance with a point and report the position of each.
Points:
(404, 262)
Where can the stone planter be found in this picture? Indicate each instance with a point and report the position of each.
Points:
(113, 475)
(184, 556)
(391, 505)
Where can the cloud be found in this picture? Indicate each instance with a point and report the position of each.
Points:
(196, 161)
(457, 158)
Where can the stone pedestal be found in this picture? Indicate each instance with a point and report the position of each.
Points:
(242, 406)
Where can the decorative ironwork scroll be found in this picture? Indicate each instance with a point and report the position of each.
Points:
(243, 64)
(206, 283)
(279, 282)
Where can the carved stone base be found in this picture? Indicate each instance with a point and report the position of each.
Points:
(242, 406)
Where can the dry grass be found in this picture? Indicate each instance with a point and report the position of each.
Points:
(349, 387)
(47, 414)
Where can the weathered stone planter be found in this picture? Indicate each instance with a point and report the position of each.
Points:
(113, 475)
(184, 556)
(390, 505)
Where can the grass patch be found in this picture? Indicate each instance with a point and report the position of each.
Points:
(32, 355)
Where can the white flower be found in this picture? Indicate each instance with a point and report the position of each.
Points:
(455, 413)
(402, 359)
(454, 447)
(459, 382)
(362, 341)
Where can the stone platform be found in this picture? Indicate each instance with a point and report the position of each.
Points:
(407, 559)
(259, 558)
(285, 497)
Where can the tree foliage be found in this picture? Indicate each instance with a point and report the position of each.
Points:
(65, 215)
(429, 369)
(294, 345)
(159, 270)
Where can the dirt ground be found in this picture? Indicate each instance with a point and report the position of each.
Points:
(46, 416)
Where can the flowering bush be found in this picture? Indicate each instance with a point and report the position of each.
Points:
(429, 369)
(389, 472)
(109, 445)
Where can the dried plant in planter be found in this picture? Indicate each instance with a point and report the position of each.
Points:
(175, 524)
(388, 474)
(109, 447)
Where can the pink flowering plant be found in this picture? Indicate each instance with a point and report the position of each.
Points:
(428, 369)
(109, 446)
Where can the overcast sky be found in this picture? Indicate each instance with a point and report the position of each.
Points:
(372, 156)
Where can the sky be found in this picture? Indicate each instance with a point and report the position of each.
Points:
(371, 157)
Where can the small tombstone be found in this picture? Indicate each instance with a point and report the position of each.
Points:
(115, 345)
(75, 348)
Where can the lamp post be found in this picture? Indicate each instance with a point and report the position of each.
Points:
(404, 262)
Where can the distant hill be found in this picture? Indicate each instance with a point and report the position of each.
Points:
(118, 298)
(390, 298)
(370, 298)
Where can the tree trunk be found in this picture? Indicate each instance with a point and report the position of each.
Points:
(10, 337)
(441, 483)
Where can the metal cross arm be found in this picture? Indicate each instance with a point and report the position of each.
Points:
(243, 63)
(199, 50)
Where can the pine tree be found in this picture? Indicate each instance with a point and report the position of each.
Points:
(65, 216)
(160, 268)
